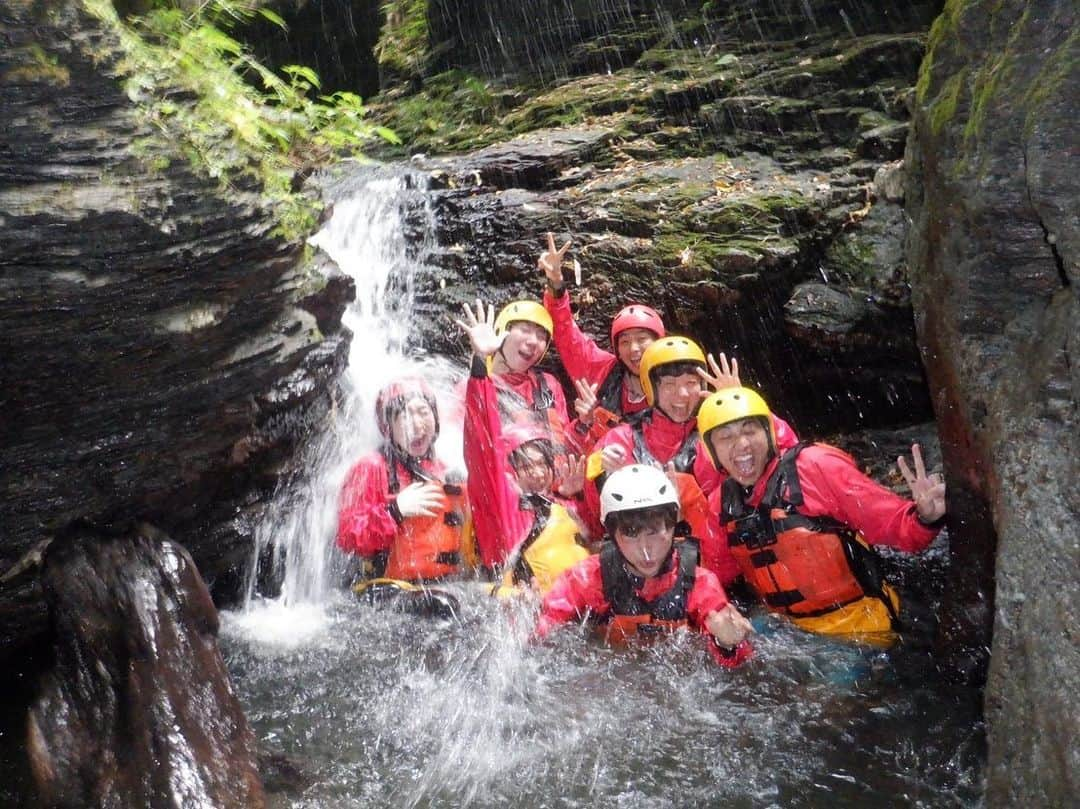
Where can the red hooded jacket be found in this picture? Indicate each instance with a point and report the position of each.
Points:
(580, 355)
(579, 593)
(833, 486)
(499, 522)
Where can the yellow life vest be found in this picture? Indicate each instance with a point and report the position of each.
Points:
(544, 556)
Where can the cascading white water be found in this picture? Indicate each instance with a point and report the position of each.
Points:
(366, 237)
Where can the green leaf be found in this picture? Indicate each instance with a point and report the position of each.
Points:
(218, 40)
(274, 18)
(306, 73)
(388, 135)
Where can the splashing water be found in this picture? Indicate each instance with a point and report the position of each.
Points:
(391, 711)
(366, 238)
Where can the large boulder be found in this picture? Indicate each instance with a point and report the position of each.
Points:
(136, 709)
(164, 352)
(995, 264)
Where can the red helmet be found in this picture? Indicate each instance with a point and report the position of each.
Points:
(636, 316)
(394, 397)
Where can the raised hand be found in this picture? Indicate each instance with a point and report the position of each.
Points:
(928, 491)
(585, 402)
(570, 472)
(550, 262)
(420, 499)
(672, 474)
(729, 626)
(480, 329)
(723, 375)
(613, 457)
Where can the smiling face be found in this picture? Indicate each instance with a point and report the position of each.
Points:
(630, 345)
(646, 545)
(524, 346)
(532, 469)
(742, 448)
(678, 397)
(413, 429)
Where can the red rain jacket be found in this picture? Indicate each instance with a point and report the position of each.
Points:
(365, 527)
(833, 486)
(499, 522)
(579, 593)
(580, 355)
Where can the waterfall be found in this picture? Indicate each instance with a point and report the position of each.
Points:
(368, 239)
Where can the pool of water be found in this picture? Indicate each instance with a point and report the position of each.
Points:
(377, 708)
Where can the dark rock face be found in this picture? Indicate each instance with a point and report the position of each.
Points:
(163, 353)
(550, 39)
(995, 261)
(137, 709)
(546, 38)
(731, 184)
(335, 38)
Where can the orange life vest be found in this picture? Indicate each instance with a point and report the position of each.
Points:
(632, 617)
(801, 566)
(427, 547)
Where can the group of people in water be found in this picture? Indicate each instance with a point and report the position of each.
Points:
(671, 482)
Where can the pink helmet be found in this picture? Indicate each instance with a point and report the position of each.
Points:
(520, 432)
(394, 397)
(636, 316)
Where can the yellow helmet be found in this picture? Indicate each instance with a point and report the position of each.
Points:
(728, 405)
(667, 351)
(529, 311)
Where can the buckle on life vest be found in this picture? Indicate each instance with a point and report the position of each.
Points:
(763, 558)
(448, 558)
(784, 598)
(453, 518)
(751, 530)
(650, 629)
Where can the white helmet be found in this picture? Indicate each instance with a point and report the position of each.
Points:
(634, 487)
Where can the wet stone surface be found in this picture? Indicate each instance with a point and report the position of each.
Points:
(137, 708)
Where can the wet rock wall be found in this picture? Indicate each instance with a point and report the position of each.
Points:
(994, 252)
(749, 184)
(163, 352)
(553, 39)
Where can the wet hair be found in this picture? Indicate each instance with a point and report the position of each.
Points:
(394, 408)
(631, 522)
(519, 459)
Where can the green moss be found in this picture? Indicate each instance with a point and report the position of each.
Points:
(943, 29)
(943, 108)
(403, 41)
(851, 259)
(983, 92)
(1057, 75)
(39, 67)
